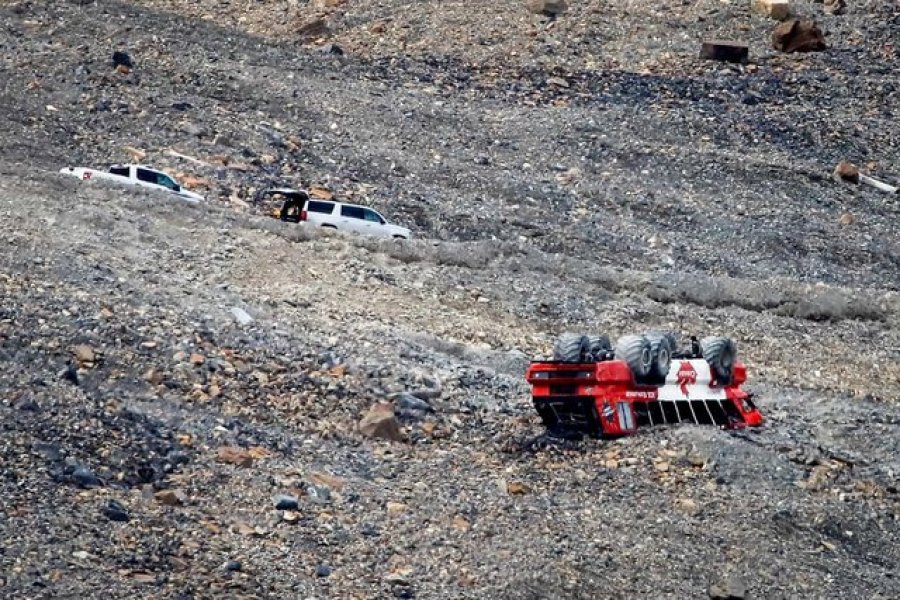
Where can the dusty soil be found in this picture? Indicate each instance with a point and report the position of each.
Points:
(584, 174)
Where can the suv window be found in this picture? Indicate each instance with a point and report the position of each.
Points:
(373, 216)
(320, 207)
(354, 212)
(119, 171)
(166, 181)
(146, 175)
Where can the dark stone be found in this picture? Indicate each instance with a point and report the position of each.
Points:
(323, 571)
(725, 51)
(406, 402)
(332, 49)
(146, 473)
(176, 458)
(122, 58)
(285, 502)
(50, 452)
(68, 373)
(114, 511)
(751, 99)
(85, 478)
(28, 404)
(231, 566)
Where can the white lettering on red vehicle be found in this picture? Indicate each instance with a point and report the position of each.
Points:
(687, 375)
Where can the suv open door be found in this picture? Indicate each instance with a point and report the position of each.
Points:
(293, 208)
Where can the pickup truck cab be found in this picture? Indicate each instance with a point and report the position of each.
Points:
(139, 175)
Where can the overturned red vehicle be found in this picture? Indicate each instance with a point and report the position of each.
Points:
(589, 388)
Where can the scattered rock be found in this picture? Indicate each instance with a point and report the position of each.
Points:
(84, 354)
(285, 502)
(687, 506)
(27, 404)
(114, 511)
(323, 570)
(835, 7)
(846, 219)
(326, 479)
(846, 171)
(725, 51)
(775, 9)
(558, 82)
(235, 456)
(68, 373)
(321, 193)
(730, 588)
(48, 451)
(313, 28)
(516, 488)
(380, 423)
(121, 58)
(407, 403)
(230, 566)
(85, 478)
(696, 460)
(136, 155)
(318, 494)
(153, 376)
(395, 508)
(170, 497)
(460, 523)
(332, 48)
(241, 316)
(548, 8)
(796, 35)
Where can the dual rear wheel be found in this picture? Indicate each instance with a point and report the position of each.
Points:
(649, 356)
(575, 347)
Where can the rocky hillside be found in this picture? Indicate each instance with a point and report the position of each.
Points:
(583, 172)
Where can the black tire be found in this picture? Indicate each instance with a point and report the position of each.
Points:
(662, 346)
(635, 351)
(571, 347)
(598, 346)
(720, 353)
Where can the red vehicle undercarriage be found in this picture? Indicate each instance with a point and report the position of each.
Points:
(605, 398)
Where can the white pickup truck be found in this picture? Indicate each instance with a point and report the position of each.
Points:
(134, 175)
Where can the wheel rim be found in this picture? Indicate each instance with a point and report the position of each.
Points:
(646, 358)
(663, 359)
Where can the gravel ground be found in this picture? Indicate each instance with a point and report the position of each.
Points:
(587, 173)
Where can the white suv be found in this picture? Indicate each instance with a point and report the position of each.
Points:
(350, 217)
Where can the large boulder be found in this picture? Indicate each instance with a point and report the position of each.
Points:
(798, 36)
(550, 8)
(380, 423)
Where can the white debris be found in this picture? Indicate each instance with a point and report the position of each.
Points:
(241, 316)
